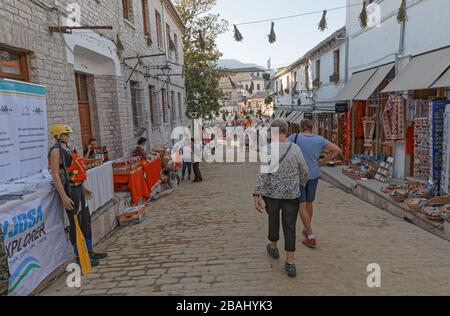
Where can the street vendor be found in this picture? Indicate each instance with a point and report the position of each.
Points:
(140, 151)
(69, 176)
(90, 153)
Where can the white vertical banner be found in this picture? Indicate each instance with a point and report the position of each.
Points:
(25, 109)
(9, 164)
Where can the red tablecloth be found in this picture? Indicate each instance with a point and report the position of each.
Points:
(152, 170)
(134, 183)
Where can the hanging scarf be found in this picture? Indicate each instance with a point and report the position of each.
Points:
(369, 124)
(394, 118)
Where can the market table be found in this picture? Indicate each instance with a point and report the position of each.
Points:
(152, 170)
(134, 183)
(100, 182)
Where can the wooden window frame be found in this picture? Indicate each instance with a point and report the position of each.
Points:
(159, 32)
(23, 63)
(145, 17)
(126, 9)
(175, 42)
(164, 105)
(180, 106)
(337, 62)
(173, 106)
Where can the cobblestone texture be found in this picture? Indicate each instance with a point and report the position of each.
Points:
(207, 239)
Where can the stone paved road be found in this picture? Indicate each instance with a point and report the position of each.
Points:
(207, 239)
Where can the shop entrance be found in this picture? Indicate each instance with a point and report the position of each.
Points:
(84, 108)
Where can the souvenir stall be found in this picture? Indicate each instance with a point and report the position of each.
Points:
(129, 177)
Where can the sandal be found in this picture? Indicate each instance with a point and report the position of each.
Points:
(291, 270)
(274, 253)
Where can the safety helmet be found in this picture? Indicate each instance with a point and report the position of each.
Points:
(57, 130)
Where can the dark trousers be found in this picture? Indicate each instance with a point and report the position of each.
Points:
(84, 216)
(289, 217)
(197, 173)
(187, 166)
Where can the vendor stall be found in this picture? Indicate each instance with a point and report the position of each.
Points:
(152, 171)
(129, 177)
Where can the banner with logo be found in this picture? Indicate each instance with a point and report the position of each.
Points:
(23, 130)
(35, 241)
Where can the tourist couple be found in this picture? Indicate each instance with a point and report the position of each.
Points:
(292, 187)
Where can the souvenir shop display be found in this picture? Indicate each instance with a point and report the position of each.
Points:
(434, 213)
(402, 192)
(369, 124)
(126, 166)
(437, 111)
(393, 118)
(422, 149)
(445, 178)
(101, 156)
(384, 171)
(363, 167)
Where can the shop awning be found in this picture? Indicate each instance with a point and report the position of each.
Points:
(355, 84)
(444, 81)
(299, 118)
(290, 116)
(294, 118)
(374, 82)
(421, 72)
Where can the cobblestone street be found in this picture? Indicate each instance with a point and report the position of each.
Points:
(207, 239)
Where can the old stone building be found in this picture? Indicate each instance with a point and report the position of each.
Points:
(109, 82)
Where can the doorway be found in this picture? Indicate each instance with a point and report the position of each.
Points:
(84, 108)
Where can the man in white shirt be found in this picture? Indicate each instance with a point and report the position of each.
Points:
(198, 157)
(187, 160)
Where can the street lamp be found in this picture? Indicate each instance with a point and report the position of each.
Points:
(166, 70)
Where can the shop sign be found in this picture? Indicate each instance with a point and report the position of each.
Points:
(341, 108)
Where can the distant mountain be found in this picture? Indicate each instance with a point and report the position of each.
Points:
(236, 64)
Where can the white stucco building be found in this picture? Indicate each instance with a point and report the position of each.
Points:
(389, 57)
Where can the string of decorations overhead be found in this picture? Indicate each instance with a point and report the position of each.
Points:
(323, 24)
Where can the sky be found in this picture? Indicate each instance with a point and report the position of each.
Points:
(295, 36)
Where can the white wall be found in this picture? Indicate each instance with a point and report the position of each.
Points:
(427, 28)
(329, 90)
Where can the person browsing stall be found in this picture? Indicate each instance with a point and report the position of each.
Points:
(140, 150)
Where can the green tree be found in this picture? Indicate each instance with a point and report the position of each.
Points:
(201, 54)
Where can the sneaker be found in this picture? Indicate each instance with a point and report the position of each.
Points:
(305, 234)
(291, 270)
(98, 256)
(274, 253)
(94, 262)
(310, 243)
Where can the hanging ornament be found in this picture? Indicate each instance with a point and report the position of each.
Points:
(323, 22)
(272, 36)
(402, 16)
(119, 46)
(237, 35)
(363, 18)
(233, 85)
(201, 40)
(149, 40)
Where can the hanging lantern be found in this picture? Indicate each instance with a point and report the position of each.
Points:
(272, 36)
(363, 18)
(149, 40)
(323, 22)
(237, 35)
(201, 40)
(119, 46)
(402, 16)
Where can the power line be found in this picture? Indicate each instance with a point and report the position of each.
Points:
(297, 15)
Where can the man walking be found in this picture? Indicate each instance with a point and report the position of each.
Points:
(198, 157)
(187, 160)
(312, 146)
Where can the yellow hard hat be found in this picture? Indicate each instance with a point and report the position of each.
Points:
(57, 130)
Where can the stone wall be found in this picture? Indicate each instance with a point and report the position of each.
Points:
(24, 27)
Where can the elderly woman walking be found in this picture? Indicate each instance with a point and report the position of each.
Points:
(279, 189)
